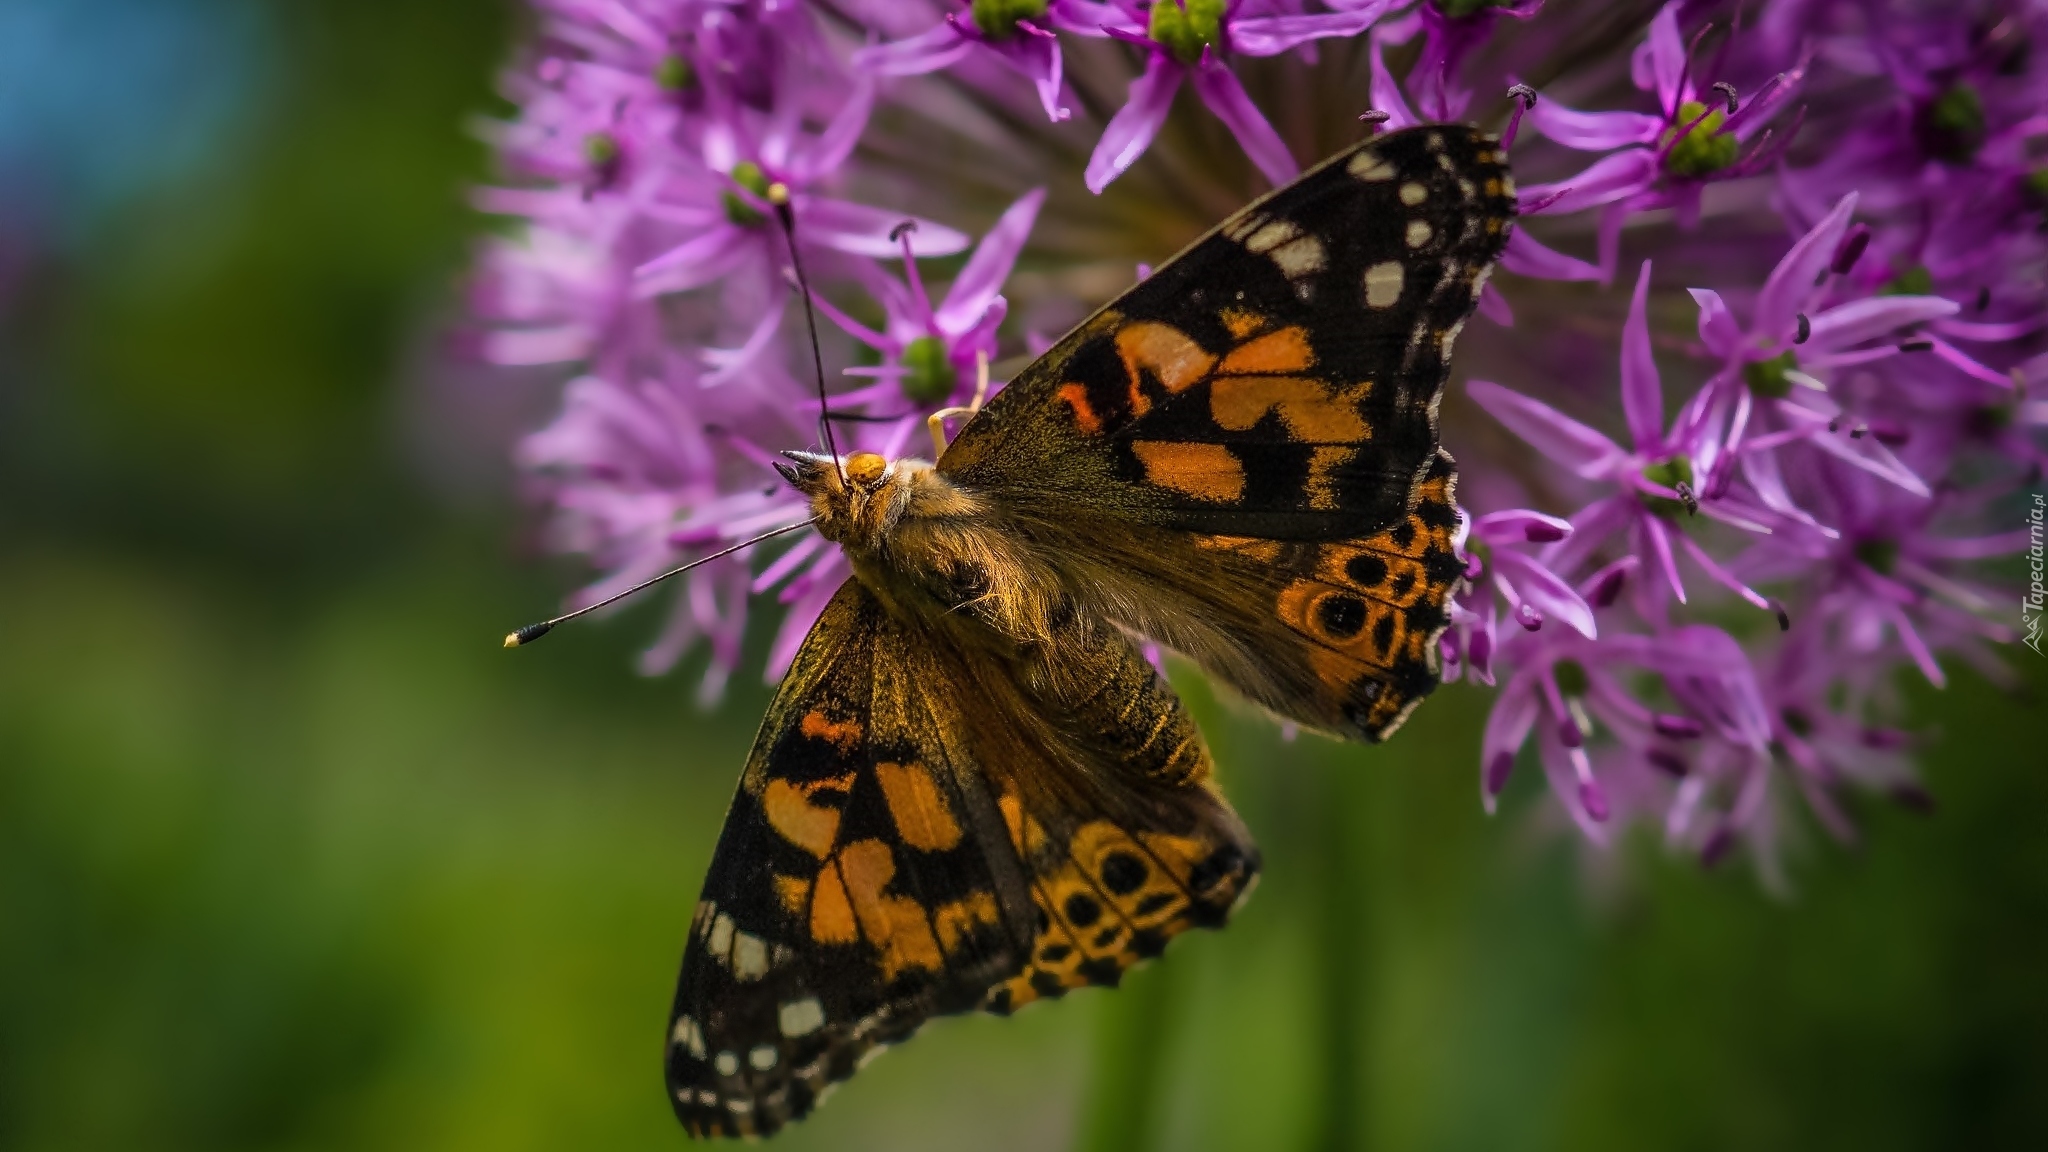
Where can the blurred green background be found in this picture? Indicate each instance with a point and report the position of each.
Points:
(293, 856)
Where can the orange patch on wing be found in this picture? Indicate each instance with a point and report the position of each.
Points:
(1204, 471)
(1241, 322)
(831, 912)
(1264, 551)
(958, 920)
(1312, 411)
(1276, 352)
(1169, 353)
(804, 824)
(1322, 475)
(843, 734)
(919, 809)
(894, 924)
(1076, 396)
(793, 891)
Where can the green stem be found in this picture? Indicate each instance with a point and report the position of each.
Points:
(1346, 946)
(1122, 1110)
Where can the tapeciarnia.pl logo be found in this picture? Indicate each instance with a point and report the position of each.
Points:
(2031, 607)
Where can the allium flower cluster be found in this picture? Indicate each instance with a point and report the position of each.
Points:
(1716, 513)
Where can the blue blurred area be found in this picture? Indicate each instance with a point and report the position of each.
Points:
(293, 856)
(103, 100)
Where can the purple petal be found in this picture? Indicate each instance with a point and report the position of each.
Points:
(1608, 179)
(693, 263)
(1850, 324)
(1642, 393)
(1667, 56)
(1518, 524)
(1660, 543)
(1718, 330)
(935, 48)
(1594, 131)
(1272, 35)
(1549, 431)
(983, 277)
(1038, 56)
(1965, 364)
(1722, 575)
(1130, 131)
(864, 231)
(825, 154)
(1087, 18)
(1507, 726)
(1386, 94)
(1225, 97)
(1493, 305)
(1525, 257)
(1792, 281)
(1550, 595)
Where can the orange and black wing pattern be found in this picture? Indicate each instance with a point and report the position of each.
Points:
(1280, 377)
(920, 831)
(1239, 457)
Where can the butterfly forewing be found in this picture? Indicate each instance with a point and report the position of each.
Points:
(1238, 457)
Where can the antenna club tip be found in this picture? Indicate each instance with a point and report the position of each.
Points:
(778, 194)
(526, 635)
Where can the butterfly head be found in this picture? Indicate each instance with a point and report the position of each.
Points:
(855, 500)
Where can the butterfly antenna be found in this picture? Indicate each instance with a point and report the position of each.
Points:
(778, 195)
(532, 632)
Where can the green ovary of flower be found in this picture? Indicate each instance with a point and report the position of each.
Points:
(601, 149)
(931, 374)
(674, 74)
(1669, 473)
(1950, 127)
(1768, 377)
(1186, 30)
(1914, 281)
(997, 19)
(1880, 556)
(2034, 188)
(1703, 151)
(1571, 677)
(748, 175)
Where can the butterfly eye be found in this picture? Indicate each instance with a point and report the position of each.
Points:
(865, 468)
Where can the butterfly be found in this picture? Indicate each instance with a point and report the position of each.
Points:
(972, 789)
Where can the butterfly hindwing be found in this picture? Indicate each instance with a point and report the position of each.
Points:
(1280, 377)
(921, 830)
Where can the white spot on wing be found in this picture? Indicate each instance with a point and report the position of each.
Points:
(727, 1063)
(1302, 257)
(1272, 236)
(1368, 166)
(801, 1017)
(1418, 233)
(1413, 194)
(689, 1037)
(721, 936)
(763, 1057)
(749, 956)
(1383, 284)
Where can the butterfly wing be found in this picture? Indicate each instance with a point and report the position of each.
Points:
(1275, 383)
(922, 830)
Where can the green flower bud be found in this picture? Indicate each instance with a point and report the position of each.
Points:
(1670, 473)
(932, 376)
(1703, 151)
(1880, 556)
(1767, 377)
(674, 74)
(1185, 31)
(997, 19)
(748, 175)
(1950, 127)
(1571, 677)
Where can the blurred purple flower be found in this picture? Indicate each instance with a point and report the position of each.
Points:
(1020, 33)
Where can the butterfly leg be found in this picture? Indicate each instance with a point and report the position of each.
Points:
(937, 420)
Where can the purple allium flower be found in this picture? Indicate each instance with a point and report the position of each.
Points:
(1020, 33)
(1194, 40)
(1853, 380)
(1664, 159)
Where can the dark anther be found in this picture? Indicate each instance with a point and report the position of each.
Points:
(1851, 251)
(1917, 346)
(1527, 96)
(1728, 90)
(1859, 431)
(897, 232)
(714, 429)
(1805, 330)
(1686, 497)
(1835, 425)
(1784, 617)
(1983, 298)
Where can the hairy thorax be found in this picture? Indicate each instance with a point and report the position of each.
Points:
(931, 550)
